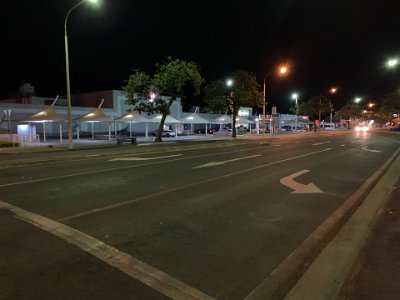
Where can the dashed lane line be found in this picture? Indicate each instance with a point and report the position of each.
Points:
(182, 187)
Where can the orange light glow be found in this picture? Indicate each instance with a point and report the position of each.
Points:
(333, 90)
(283, 70)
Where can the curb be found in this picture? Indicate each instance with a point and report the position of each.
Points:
(327, 275)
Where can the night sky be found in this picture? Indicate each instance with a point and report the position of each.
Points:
(327, 43)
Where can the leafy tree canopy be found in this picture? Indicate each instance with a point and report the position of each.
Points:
(391, 103)
(172, 79)
(349, 111)
(243, 92)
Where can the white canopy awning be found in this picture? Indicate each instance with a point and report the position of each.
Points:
(243, 120)
(168, 119)
(46, 115)
(133, 117)
(95, 115)
(194, 118)
(223, 119)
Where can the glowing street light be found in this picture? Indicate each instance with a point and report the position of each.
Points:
(294, 97)
(69, 117)
(229, 82)
(357, 99)
(283, 70)
(391, 63)
(332, 91)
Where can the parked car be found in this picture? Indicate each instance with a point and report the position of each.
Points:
(165, 133)
(203, 131)
(286, 128)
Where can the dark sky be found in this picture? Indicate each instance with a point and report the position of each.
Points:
(342, 43)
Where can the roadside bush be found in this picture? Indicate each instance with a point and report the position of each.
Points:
(4, 144)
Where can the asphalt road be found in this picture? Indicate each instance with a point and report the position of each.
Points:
(201, 220)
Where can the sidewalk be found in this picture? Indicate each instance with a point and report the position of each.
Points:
(379, 262)
(362, 260)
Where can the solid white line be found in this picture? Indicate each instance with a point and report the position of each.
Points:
(135, 158)
(120, 168)
(218, 163)
(182, 187)
(321, 143)
(135, 268)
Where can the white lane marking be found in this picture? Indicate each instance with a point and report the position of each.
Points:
(182, 187)
(299, 188)
(135, 158)
(342, 145)
(122, 168)
(218, 163)
(365, 148)
(92, 155)
(320, 143)
(135, 268)
(276, 145)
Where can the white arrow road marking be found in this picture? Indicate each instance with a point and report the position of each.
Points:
(144, 158)
(299, 188)
(370, 150)
(217, 163)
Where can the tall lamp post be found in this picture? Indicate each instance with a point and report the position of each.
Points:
(332, 91)
(282, 70)
(69, 116)
(294, 97)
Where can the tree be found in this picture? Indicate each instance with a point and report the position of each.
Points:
(243, 92)
(349, 111)
(310, 107)
(314, 106)
(172, 80)
(391, 105)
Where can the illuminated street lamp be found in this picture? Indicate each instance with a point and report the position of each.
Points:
(283, 70)
(294, 97)
(391, 63)
(332, 91)
(357, 100)
(370, 105)
(69, 117)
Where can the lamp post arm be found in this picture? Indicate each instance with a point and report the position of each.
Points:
(68, 13)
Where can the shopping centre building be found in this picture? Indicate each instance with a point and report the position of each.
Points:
(105, 114)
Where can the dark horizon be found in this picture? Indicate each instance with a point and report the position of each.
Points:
(326, 44)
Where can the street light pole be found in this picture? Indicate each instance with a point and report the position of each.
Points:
(282, 70)
(332, 91)
(295, 96)
(68, 85)
(265, 103)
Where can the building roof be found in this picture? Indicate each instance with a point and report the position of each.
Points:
(48, 114)
(194, 118)
(133, 117)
